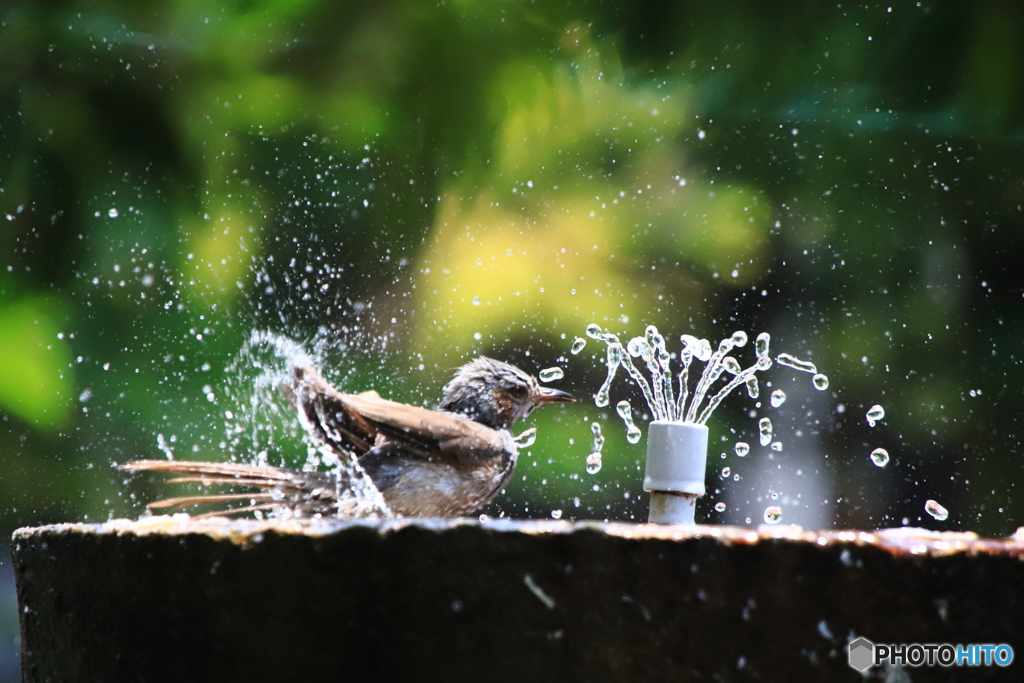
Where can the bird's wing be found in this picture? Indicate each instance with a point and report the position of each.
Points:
(430, 432)
(358, 423)
(326, 415)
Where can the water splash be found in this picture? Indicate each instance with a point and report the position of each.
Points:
(626, 413)
(935, 510)
(667, 391)
(764, 430)
(263, 426)
(594, 459)
(551, 374)
(161, 443)
(797, 364)
(527, 438)
(874, 415)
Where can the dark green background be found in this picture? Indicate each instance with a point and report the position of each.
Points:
(404, 185)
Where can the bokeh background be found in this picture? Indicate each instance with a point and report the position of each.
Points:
(401, 186)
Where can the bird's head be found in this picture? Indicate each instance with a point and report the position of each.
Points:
(496, 394)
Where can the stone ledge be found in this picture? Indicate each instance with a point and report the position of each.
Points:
(174, 598)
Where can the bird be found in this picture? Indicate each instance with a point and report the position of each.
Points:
(447, 462)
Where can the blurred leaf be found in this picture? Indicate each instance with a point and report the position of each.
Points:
(35, 374)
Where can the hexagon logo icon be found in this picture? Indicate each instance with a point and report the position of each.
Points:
(862, 653)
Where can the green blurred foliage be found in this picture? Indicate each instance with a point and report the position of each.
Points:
(404, 186)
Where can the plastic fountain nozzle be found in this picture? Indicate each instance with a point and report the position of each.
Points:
(677, 456)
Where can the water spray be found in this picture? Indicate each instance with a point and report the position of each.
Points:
(677, 438)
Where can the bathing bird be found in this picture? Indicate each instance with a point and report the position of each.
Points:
(446, 462)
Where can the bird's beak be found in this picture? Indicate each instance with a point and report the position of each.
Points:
(546, 395)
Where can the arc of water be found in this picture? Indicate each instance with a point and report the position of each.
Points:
(685, 357)
(657, 384)
(711, 373)
(627, 363)
(601, 398)
(740, 379)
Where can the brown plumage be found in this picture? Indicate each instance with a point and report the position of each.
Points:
(426, 463)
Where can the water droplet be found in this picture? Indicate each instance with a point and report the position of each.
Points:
(753, 390)
(741, 449)
(935, 510)
(726, 472)
(593, 463)
(763, 363)
(778, 398)
(113, 213)
(527, 438)
(739, 338)
(874, 414)
(761, 344)
(595, 427)
(626, 413)
(772, 514)
(654, 338)
(776, 445)
(795, 363)
(577, 345)
(880, 457)
(556, 514)
(594, 331)
(703, 351)
(476, 301)
(731, 365)
(551, 374)
(820, 382)
(638, 347)
(764, 428)
(719, 507)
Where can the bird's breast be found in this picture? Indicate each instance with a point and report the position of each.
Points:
(438, 489)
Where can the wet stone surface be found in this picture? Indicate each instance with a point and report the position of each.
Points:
(181, 599)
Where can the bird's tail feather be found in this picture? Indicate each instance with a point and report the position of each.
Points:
(301, 492)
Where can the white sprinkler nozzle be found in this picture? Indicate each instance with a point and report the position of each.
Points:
(677, 456)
